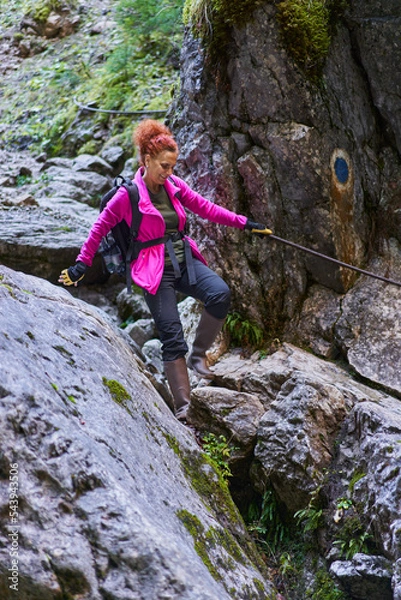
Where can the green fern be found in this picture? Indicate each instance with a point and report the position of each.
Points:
(243, 333)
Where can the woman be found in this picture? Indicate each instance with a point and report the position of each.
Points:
(165, 268)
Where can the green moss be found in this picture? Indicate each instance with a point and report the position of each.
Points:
(307, 27)
(118, 393)
(5, 285)
(173, 443)
(206, 541)
(202, 545)
(40, 10)
(324, 588)
(201, 472)
(306, 31)
(212, 22)
(90, 147)
(221, 537)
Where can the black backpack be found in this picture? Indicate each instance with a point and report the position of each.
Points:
(118, 246)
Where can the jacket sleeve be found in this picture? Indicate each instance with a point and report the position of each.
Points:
(117, 209)
(207, 209)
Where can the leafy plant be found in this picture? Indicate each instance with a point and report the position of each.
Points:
(243, 333)
(219, 450)
(23, 180)
(353, 536)
(352, 543)
(268, 527)
(310, 518)
(344, 503)
(146, 17)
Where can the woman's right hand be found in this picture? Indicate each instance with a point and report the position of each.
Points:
(73, 274)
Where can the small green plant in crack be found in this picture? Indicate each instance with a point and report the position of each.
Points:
(266, 525)
(358, 475)
(243, 332)
(353, 538)
(219, 450)
(311, 517)
(23, 180)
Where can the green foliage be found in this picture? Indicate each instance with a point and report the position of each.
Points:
(39, 10)
(324, 588)
(267, 525)
(219, 450)
(243, 333)
(132, 68)
(353, 536)
(310, 518)
(23, 180)
(357, 476)
(353, 539)
(146, 17)
(212, 20)
(305, 28)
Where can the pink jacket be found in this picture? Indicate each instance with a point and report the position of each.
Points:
(147, 269)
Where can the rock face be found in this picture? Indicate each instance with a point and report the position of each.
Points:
(112, 489)
(114, 497)
(42, 236)
(323, 442)
(319, 164)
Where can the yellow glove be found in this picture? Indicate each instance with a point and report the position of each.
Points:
(72, 275)
(257, 228)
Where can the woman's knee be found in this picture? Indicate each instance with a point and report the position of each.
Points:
(218, 303)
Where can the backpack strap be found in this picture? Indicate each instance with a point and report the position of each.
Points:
(133, 195)
(135, 246)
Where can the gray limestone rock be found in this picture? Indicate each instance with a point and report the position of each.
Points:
(114, 497)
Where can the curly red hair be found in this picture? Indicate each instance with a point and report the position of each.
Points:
(152, 137)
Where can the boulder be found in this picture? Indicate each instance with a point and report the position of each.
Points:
(114, 495)
(364, 577)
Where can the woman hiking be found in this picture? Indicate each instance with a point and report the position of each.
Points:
(172, 265)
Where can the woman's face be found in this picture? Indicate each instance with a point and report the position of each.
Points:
(158, 168)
